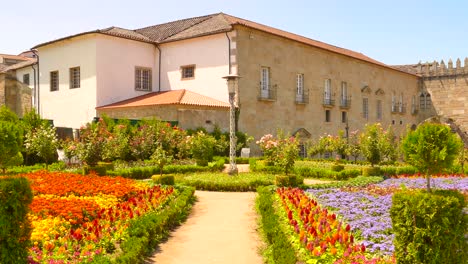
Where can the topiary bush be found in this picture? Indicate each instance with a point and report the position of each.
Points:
(337, 167)
(164, 179)
(15, 231)
(429, 228)
(285, 181)
(371, 171)
(98, 169)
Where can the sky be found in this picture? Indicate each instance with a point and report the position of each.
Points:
(393, 32)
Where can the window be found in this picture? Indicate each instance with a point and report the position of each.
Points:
(400, 104)
(26, 78)
(188, 72)
(265, 79)
(379, 109)
(394, 103)
(54, 81)
(424, 101)
(327, 116)
(344, 94)
(142, 79)
(365, 108)
(344, 117)
(74, 77)
(302, 150)
(401, 122)
(327, 91)
(300, 84)
(393, 122)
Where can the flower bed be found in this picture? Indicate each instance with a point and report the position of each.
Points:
(318, 235)
(76, 218)
(366, 209)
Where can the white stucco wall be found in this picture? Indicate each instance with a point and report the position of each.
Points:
(116, 62)
(69, 107)
(210, 56)
(23, 71)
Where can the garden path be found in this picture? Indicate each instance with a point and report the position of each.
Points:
(221, 228)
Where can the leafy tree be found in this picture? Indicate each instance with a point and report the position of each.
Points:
(339, 144)
(354, 144)
(371, 143)
(431, 148)
(10, 145)
(389, 145)
(7, 115)
(202, 146)
(43, 142)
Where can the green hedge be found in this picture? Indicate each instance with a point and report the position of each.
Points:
(371, 171)
(311, 172)
(394, 171)
(243, 182)
(149, 230)
(98, 169)
(147, 172)
(164, 179)
(279, 249)
(429, 227)
(285, 181)
(354, 182)
(15, 229)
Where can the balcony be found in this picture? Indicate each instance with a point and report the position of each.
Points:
(328, 100)
(302, 98)
(345, 102)
(267, 92)
(398, 108)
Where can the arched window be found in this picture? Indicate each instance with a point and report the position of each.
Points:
(425, 101)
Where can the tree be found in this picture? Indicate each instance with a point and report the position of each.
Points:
(354, 145)
(431, 148)
(371, 143)
(42, 142)
(10, 145)
(161, 158)
(389, 145)
(339, 144)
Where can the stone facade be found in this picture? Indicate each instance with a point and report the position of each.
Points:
(393, 90)
(14, 94)
(187, 117)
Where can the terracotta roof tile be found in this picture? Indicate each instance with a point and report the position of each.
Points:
(214, 24)
(3, 68)
(125, 33)
(15, 57)
(21, 65)
(161, 32)
(174, 97)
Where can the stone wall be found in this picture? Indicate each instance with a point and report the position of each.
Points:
(187, 117)
(286, 58)
(14, 94)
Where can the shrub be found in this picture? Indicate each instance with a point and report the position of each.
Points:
(285, 181)
(160, 158)
(15, 198)
(337, 167)
(371, 147)
(98, 169)
(202, 146)
(42, 142)
(10, 144)
(280, 152)
(429, 228)
(163, 179)
(279, 249)
(245, 182)
(353, 182)
(371, 171)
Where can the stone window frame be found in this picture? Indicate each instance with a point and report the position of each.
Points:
(143, 78)
(187, 72)
(327, 116)
(75, 77)
(365, 108)
(344, 117)
(379, 110)
(54, 81)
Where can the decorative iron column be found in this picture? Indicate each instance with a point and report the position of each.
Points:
(232, 85)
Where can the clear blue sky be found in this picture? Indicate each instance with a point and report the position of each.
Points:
(393, 32)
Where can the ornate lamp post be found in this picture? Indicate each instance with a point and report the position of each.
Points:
(232, 82)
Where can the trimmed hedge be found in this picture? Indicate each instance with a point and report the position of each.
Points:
(354, 182)
(163, 179)
(279, 249)
(311, 172)
(285, 181)
(371, 171)
(149, 230)
(147, 172)
(243, 182)
(394, 171)
(429, 227)
(337, 167)
(15, 231)
(100, 170)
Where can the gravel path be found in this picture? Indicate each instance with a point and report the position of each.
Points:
(220, 229)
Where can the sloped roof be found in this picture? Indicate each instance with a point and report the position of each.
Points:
(213, 24)
(15, 57)
(174, 97)
(20, 65)
(2, 68)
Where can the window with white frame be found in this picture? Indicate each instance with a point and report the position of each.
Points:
(265, 79)
(188, 72)
(300, 84)
(344, 93)
(379, 109)
(75, 77)
(365, 108)
(54, 81)
(142, 79)
(327, 91)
